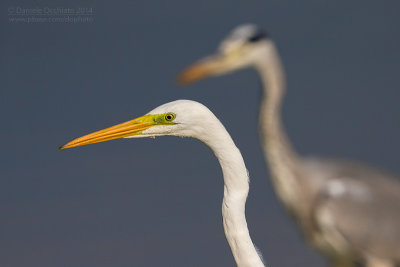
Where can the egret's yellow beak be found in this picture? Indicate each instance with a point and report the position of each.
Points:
(202, 69)
(129, 128)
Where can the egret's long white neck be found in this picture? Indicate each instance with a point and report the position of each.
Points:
(282, 158)
(236, 188)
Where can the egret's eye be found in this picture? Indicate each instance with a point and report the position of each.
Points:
(169, 116)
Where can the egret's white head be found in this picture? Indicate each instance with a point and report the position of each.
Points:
(245, 46)
(183, 118)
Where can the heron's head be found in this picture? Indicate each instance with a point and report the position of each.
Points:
(245, 46)
(183, 118)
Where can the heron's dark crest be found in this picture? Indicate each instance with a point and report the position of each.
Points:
(258, 35)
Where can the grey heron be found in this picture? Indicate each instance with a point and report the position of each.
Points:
(347, 210)
(186, 118)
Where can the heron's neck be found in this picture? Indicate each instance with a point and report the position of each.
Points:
(282, 158)
(236, 188)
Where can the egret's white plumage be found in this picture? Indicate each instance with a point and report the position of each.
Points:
(340, 205)
(192, 119)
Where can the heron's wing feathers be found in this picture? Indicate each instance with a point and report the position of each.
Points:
(359, 206)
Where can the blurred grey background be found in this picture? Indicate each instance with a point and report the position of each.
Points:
(158, 202)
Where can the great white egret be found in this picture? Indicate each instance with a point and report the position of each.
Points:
(186, 118)
(347, 210)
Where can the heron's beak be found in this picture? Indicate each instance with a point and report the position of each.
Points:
(126, 129)
(209, 66)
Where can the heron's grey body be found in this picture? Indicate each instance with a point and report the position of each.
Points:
(348, 211)
(355, 209)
